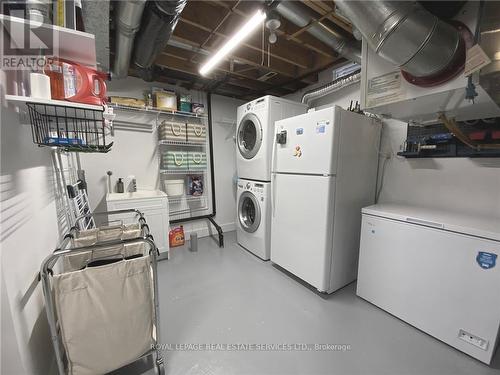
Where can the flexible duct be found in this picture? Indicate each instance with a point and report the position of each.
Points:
(331, 87)
(407, 35)
(160, 19)
(128, 22)
(302, 16)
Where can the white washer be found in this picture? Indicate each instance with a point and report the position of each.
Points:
(253, 229)
(255, 132)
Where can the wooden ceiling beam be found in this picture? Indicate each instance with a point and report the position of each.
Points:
(182, 65)
(301, 59)
(305, 28)
(323, 8)
(246, 72)
(185, 33)
(305, 40)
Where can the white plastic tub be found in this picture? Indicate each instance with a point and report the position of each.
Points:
(174, 188)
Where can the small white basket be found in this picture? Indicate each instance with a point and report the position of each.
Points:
(174, 188)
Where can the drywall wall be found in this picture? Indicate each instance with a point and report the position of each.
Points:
(135, 153)
(470, 186)
(29, 232)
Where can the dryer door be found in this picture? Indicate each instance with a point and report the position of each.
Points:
(249, 213)
(249, 136)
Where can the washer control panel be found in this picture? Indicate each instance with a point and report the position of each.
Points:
(255, 187)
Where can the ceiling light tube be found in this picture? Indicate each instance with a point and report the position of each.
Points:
(233, 42)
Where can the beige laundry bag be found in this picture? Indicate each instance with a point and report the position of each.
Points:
(105, 315)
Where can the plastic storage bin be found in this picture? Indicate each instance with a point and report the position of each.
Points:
(174, 160)
(172, 131)
(197, 161)
(196, 133)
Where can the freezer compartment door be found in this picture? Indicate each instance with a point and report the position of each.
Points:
(307, 143)
(433, 279)
(302, 226)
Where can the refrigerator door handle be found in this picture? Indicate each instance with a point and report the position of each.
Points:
(273, 172)
(273, 188)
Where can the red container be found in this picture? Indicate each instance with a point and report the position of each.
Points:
(495, 134)
(478, 135)
(76, 83)
(176, 237)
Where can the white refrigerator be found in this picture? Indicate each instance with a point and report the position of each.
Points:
(324, 172)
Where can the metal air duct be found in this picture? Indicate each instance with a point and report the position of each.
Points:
(302, 16)
(128, 22)
(427, 49)
(331, 87)
(160, 19)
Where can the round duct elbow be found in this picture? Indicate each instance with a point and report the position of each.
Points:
(427, 49)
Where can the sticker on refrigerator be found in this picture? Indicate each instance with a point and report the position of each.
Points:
(299, 131)
(321, 126)
(486, 260)
(297, 152)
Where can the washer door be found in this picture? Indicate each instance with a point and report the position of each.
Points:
(249, 212)
(249, 136)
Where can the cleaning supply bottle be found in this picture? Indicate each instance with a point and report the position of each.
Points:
(119, 186)
(76, 83)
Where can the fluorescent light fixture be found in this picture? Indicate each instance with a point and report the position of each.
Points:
(234, 41)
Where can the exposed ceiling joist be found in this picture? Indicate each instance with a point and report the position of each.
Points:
(304, 40)
(323, 8)
(256, 67)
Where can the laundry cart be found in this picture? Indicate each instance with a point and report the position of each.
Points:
(101, 296)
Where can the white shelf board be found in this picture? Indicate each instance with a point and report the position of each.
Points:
(69, 44)
(63, 103)
(157, 111)
(181, 143)
(180, 171)
(187, 199)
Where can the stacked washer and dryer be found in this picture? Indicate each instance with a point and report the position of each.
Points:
(254, 139)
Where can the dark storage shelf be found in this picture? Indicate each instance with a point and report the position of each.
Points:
(74, 129)
(435, 141)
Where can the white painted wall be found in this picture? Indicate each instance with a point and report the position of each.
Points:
(135, 153)
(458, 184)
(29, 232)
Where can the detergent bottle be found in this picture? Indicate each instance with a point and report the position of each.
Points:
(76, 83)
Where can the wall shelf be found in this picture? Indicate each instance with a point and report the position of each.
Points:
(436, 141)
(187, 199)
(181, 171)
(16, 99)
(67, 43)
(180, 143)
(72, 128)
(157, 111)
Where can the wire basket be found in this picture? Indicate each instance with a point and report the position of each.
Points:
(71, 128)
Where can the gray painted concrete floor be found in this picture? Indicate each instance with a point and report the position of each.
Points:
(228, 296)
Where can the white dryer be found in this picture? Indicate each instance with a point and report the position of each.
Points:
(255, 132)
(253, 229)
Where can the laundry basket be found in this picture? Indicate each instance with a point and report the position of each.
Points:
(102, 304)
(109, 309)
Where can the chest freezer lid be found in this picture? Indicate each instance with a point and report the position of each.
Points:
(470, 224)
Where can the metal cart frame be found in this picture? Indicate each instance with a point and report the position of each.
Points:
(62, 250)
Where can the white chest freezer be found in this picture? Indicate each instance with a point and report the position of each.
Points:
(435, 270)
